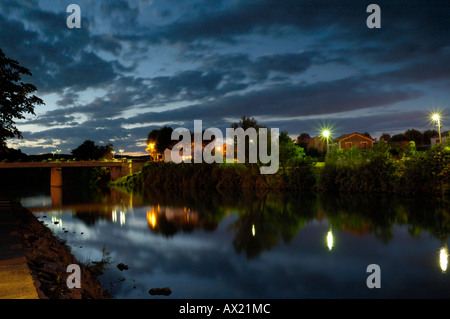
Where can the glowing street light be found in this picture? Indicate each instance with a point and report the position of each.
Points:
(326, 134)
(436, 117)
(121, 151)
(113, 153)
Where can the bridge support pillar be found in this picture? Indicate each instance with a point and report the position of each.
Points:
(56, 177)
(56, 196)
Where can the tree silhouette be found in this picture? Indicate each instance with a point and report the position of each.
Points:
(161, 138)
(15, 97)
(88, 150)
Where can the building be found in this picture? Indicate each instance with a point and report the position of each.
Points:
(318, 142)
(444, 137)
(347, 141)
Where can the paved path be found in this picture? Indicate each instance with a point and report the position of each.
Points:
(16, 281)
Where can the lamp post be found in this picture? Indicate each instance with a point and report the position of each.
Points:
(437, 118)
(326, 134)
(121, 151)
(113, 153)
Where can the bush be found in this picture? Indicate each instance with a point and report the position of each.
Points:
(425, 172)
(303, 175)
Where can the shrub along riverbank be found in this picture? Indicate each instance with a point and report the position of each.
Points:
(351, 171)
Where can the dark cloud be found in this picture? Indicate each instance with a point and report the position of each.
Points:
(289, 101)
(225, 64)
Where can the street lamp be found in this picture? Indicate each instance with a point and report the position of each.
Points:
(113, 152)
(58, 151)
(326, 133)
(121, 151)
(437, 118)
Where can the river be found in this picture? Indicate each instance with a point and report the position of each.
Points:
(205, 244)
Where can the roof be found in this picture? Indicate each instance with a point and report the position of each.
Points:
(344, 136)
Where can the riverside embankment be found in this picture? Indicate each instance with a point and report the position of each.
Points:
(37, 261)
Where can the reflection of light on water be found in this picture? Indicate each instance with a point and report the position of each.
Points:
(330, 240)
(57, 220)
(443, 259)
(253, 230)
(152, 214)
(151, 217)
(121, 217)
(176, 215)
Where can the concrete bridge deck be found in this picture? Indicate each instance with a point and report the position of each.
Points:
(63, 164)
(118, 168)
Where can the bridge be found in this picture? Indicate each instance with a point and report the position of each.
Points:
(118, 168)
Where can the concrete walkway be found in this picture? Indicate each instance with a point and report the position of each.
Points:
(16, 281)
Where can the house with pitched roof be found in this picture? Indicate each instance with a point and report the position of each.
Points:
(347, 141)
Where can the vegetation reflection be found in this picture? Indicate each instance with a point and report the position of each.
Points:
(261, 221)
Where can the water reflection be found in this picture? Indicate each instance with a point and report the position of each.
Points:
(306, 240)
(266, 220)
(330, 239)
(443, 258)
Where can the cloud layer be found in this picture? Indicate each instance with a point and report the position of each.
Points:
(137, 65)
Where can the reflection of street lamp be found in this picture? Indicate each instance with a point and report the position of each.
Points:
(437, 118)
(443, 259)
(330, 240)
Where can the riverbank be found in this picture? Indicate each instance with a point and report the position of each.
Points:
(48, 258)
(424, 173)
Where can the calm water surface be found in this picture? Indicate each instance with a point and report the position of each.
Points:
(211, 245)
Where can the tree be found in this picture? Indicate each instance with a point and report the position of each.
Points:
(88, 150)
(398, 138)
(414, 135)
(303, 139)
(288, 151)
(159, 139)
(385, 137)
(245, 123)
(15, 97)
(427, 135)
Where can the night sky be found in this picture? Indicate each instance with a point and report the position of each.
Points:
(137, 65)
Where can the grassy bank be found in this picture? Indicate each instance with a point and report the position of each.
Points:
(352, 171)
